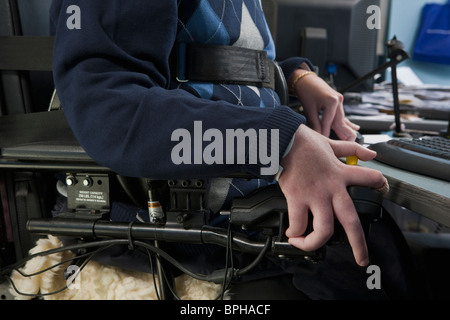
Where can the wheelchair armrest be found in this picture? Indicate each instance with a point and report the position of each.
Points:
(267, 208)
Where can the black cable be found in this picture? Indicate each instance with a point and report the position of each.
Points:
(228, 255)
(169, 285)
(170, 259)
(153, 273)
(104, 244)
(25, 275)
(61, 249)
(257, 260)
(48, 252)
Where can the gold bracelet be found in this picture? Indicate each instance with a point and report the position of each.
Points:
(304, 74)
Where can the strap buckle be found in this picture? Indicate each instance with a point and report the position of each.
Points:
(180, 62)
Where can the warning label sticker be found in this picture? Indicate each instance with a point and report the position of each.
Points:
(91, 196)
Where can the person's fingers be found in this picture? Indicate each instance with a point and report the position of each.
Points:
(328, 117)
(298, 217)
(360, 176)
(313, 121)
(357, 175)
(323, 228)
(348, 217)
(344, 132)
(344, 129)
(348, 148)
(352, 125)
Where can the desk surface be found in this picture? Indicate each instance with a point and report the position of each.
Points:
(382, 123)
(426, 196)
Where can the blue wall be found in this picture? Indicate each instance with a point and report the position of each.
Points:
(404, 23)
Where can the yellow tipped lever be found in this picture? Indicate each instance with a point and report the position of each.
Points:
(352, 160)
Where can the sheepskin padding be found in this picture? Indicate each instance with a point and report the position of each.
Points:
(96, 281)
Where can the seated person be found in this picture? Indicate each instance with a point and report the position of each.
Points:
(122, 98)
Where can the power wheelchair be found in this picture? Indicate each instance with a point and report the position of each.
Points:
(41, 142)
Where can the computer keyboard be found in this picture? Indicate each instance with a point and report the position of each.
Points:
(427, 155)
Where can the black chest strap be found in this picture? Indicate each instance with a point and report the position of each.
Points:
(228, 65)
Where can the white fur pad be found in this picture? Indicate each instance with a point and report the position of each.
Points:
(97, 281)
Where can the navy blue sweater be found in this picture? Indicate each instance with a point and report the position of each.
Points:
(112, 73)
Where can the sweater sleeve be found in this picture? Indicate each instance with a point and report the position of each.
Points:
(289, 65)
(112, 75)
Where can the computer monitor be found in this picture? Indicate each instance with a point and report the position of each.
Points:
(329, 31)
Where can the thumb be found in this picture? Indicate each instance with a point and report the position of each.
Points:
(360, 176)
(348, 148)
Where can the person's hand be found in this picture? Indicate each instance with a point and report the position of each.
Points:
(316, 97)
(314, 179)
